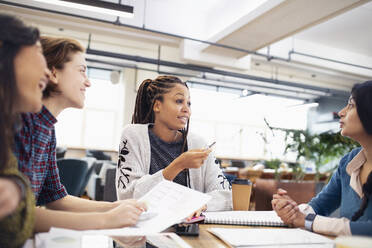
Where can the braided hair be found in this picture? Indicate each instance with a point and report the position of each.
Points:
(150, 91)
(362, 95)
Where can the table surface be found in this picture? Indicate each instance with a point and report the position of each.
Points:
(206, 239)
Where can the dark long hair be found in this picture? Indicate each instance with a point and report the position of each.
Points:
(13, 36)
(150, 91)
(362, 95)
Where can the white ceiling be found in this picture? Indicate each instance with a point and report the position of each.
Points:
(346, 36)
(351, 31)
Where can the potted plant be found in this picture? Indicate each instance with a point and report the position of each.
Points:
(319, 148)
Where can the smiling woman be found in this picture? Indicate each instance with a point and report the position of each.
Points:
(158, 146)
(23, 76)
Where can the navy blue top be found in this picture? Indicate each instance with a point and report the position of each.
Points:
(163, 153)
(338, 193)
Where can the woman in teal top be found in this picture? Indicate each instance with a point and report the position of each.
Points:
(23, 77)
(350, 188)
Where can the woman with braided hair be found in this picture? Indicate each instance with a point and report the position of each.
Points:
(350, 187)
(157, 146)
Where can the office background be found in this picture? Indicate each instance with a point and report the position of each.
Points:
(289, 64)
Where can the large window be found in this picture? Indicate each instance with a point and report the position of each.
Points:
(237, 123)
(98, 124)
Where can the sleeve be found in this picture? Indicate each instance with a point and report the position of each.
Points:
(52, 189)
(332, 226)
(132, 176)
(329, 199)
(361, 228)
(17, 227)
(217, 186)
(327, 225)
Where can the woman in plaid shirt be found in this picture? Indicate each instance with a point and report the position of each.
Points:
(36, 148)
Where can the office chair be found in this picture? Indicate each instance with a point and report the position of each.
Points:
(60, 152)
(237, 163)
(89, 173)
(301, 192)
(99, 155)
(109, 190)
(73, 173)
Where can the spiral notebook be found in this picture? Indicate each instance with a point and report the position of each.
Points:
(244, 218)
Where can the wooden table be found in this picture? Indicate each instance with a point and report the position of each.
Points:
(206, 239)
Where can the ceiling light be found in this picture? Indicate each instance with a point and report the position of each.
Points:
(245, 92)
(305, 104)
(94, 6)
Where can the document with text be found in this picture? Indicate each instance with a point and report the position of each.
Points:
(168, 203)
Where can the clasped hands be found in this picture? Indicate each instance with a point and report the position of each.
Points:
(287, 209)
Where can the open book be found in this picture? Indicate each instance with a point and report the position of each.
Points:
(270, 237)
(245, 218)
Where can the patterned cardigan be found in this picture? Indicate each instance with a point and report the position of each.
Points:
(133, 179)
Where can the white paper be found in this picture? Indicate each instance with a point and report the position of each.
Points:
(248, 237)
(170, 201)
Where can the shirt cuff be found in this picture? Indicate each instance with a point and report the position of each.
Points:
(306, 209)
(331, 226)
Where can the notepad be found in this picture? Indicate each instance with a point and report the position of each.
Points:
(244, 218)
(262, 237)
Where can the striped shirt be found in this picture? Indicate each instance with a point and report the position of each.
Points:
(35, 148)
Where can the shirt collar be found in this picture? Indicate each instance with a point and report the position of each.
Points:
(353, 169)
(47, 117)
(357, 162)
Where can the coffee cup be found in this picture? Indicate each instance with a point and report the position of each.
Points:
(241, 194)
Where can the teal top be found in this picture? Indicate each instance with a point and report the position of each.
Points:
(338, 194)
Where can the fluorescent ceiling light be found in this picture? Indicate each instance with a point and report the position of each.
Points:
(94, 6)
(305, 104)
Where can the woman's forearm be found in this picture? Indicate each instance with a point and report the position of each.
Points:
(172, 170)
(76, 204)
(45, 219)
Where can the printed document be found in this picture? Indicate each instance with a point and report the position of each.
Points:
(249, 237)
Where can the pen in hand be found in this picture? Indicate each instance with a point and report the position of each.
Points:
(210, 146)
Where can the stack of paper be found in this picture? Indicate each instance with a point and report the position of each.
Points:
(248, 237)
(168, 202)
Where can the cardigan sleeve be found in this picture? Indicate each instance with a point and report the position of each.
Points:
(210, 179)
(217, 186)
(132, 175)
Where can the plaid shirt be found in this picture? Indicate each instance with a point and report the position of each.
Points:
(35, 148)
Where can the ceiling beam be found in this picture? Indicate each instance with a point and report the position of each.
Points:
(276, 20)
